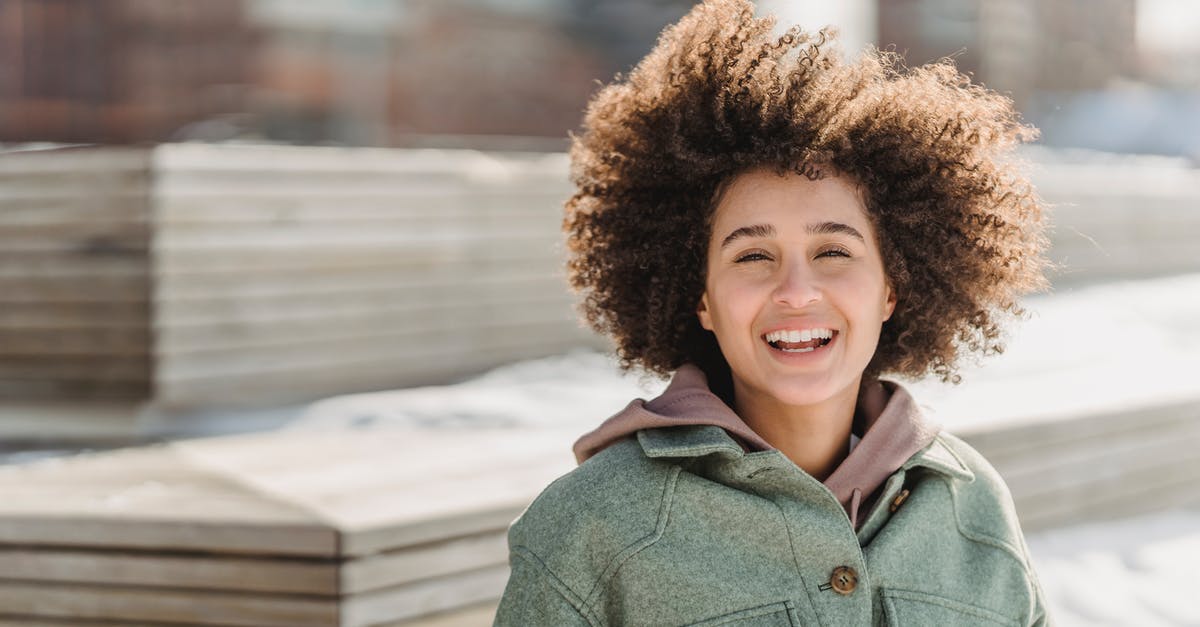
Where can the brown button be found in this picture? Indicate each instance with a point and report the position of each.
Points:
(844, 580)
(899, 500)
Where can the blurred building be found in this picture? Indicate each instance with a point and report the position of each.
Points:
(119, 71)
(483, 73)
(352, 72)
(1018, 46)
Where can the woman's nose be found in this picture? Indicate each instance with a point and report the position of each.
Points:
(798, 287)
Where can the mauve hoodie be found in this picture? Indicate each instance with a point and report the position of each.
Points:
(894, 426)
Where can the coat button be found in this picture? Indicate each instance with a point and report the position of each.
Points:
(844, 580)
(898, 501)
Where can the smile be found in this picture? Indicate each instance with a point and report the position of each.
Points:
(793, 341)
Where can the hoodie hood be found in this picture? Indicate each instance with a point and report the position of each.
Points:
(686, 401)
(891, 427)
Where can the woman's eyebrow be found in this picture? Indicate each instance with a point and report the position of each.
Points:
(828, 228)
(766, 230)
(756, 230)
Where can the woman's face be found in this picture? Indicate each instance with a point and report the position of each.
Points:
(795, 290)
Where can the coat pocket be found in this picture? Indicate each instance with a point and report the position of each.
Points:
(908, 608)
(772, 615)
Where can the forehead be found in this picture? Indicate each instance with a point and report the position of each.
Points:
(764, 196)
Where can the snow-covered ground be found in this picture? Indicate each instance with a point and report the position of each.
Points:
(1136, 572)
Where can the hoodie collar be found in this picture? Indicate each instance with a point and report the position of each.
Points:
(688, 420)
(686, 401)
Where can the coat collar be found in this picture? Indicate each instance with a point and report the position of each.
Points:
(686, 441)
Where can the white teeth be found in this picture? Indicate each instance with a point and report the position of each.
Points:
(792, 335)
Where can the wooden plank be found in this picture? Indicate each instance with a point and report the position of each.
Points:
(58, 423)
(67, 179)
(75, 315)
(66, 389)
(360, 466)
(424, 598)
(383, 353)
(317, 237)
(419, 162)
(1080, 463)
(76, 367)
(62, 207)
(75, 527)
(11, 620)
(485, 477)
(384, 324)
(72, 232)
(89, 160)
(1117, 468)
(188, 276)
(475, 615)
(116, 290)
(131, 240)
(151, 499)
(68, 341)
(152, 570)
(35, 266)
(350, 283)
(117, 603)
(242, 574)
(424, 561)
(1035, 437)
(457, 205)
(285, 384)
(256, 495)
(1139, 493)
(508, 291)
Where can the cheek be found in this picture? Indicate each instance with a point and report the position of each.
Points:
(732, 303)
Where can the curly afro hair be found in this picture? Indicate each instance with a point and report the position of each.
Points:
(960, 228)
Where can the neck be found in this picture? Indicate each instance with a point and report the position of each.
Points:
(815, 437)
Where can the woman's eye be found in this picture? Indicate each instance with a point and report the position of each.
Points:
(835, 252)
(751, 257)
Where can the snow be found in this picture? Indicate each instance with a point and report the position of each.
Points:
(1142, 571)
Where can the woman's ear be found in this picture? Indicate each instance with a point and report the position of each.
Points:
(702, 312)
(889, 305)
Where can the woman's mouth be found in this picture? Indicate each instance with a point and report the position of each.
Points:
(805, 341)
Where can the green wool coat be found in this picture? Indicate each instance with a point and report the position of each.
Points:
(681, 526)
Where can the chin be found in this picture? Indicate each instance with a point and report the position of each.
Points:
(800, 390)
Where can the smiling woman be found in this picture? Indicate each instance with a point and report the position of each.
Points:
(777, 230)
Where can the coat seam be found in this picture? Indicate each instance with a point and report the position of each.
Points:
(953, 604)
(664, 511)
(795, 560)
(985, 538)
(560, 586)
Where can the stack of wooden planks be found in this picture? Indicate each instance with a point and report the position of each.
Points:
(287, 529)
(198, 276)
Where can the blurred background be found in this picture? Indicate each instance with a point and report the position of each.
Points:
(285, 337)
(490, 73)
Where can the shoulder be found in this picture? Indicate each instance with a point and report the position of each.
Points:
(983, 504)
(586, 518)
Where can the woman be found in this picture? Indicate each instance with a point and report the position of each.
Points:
(777, 229)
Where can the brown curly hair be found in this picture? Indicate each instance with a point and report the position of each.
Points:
(960, 228)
